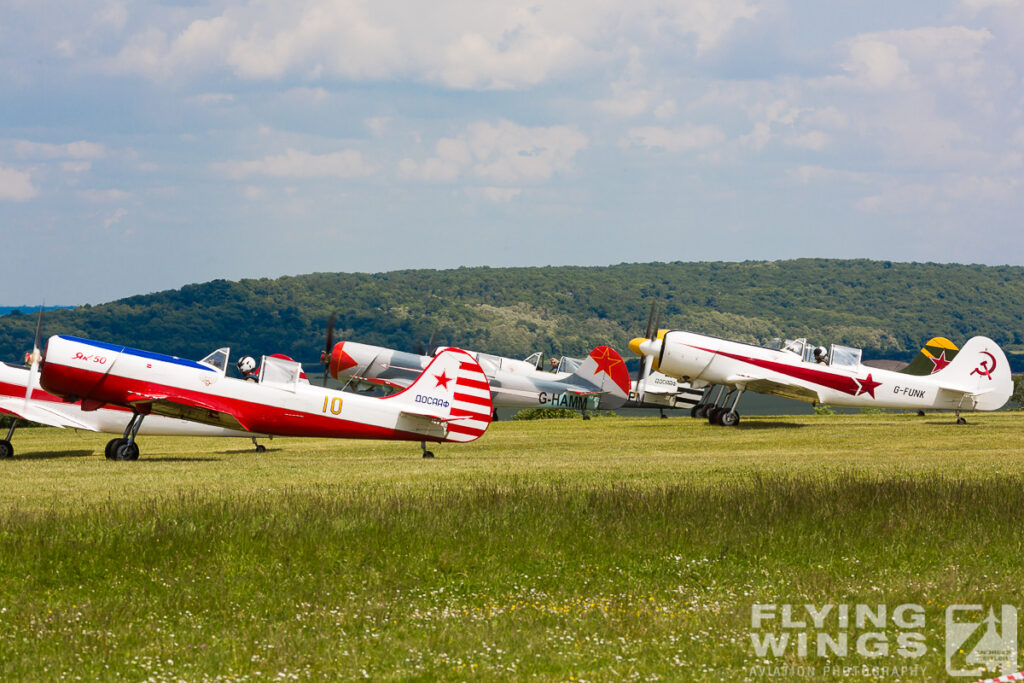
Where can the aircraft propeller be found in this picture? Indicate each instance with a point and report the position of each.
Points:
(34, 359)
(429, 349)
(325, 357)
(653, 321)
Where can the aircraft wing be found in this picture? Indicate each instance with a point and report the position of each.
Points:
(211, 410)
(41, 413)
(775, 387)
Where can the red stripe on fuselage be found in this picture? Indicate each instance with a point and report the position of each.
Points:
(843, 383)
(255, 417)
(464, 429)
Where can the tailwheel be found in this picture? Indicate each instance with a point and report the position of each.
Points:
(6, 449)
(961, 420)
(111, 449)
(426, 453)
(260, 448)
(729, 418)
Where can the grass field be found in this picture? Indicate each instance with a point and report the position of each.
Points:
(559, 550)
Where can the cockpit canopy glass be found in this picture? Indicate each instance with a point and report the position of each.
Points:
(844, 356)
(566, 364)
(218, 360)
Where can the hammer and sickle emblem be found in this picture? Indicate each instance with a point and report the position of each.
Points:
(983, 370)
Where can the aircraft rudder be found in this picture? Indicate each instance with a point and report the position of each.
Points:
(981, 367)
(605, 369)
(454, 387)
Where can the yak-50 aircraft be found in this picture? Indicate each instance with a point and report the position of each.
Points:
(600, 382)
(449, 401)
(21, 397)
(976, 378)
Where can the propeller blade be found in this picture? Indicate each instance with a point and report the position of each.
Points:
(641, 384)
(325, 357)
(431, 345)
(653, 334)
(34, 366)
(650, 319)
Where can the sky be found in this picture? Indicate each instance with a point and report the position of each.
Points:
(148, 145)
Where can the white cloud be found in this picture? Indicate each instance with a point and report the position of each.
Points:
(675, 139)
(458, 44)
(501, 194)
(115, 218)
(298, 164)
(15, 185)
(102, 196)
(76, 166)
(814, 140)
(73, 150)
(254, 192)
(504, 152)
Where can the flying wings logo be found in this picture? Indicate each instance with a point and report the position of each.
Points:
(974, 647)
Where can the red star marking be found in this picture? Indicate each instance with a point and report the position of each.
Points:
(605, 362)
(866, 386)
(940, 362)
(442, 380)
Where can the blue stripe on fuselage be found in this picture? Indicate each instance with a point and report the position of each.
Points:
(117, 348)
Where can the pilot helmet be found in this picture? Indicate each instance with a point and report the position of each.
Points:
(820, 352)
(246, 364)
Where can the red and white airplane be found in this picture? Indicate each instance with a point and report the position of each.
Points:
(21, 397)
(977, 378)
(449, 402)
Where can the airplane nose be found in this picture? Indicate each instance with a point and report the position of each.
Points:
(634, 345)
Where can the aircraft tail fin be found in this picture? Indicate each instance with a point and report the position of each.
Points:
(452, 390)
(605, 369)
(937, 353)
(980, 371)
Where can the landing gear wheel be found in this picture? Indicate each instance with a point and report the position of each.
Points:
(260, 448)
(111, 449)
(127, 451)
(694, 410)
(713, 416)
(961, 420)
(729, 418)
(702, 411)
(6, 449)
(428, 454)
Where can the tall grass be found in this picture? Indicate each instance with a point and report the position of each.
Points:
(501, 563)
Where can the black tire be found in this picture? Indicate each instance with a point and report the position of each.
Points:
(961, 420)
(6, 449)
(260, 448)
(127, 451)
(428, 454)
(702, 411)
(694, 410)
(729, 418)
(713, 415)
(111, 449)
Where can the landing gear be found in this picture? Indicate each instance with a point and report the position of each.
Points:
(725, 414)
(6, 449)
(585, 416)
(260, 448)
(729, 418)
(960, 420)
(663, 415)
(125, 448)
(426, 453)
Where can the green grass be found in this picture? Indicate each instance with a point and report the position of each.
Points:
(601, 550)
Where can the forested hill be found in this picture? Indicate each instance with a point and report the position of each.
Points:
(890, 309)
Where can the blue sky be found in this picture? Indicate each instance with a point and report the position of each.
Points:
(147, 145)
